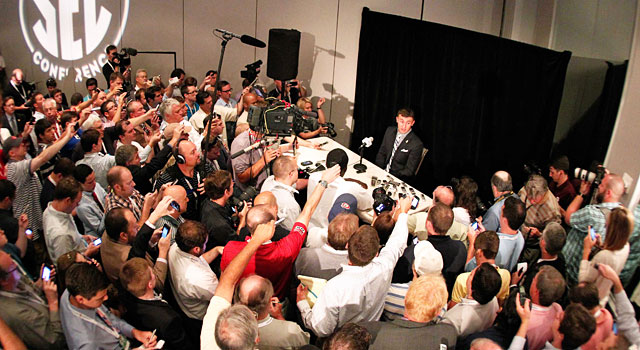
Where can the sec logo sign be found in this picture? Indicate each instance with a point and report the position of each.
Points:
(69, 36)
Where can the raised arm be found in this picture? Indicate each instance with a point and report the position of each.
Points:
(232, 273)
(52, 150)
(328, 176)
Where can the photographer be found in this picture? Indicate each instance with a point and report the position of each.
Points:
(188, 174)
(116, 63)
(305, 104)
(216, 214)
(291, 93)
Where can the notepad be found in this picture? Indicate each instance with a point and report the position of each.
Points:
(315, 287)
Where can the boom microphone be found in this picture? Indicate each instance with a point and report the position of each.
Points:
(249, 40)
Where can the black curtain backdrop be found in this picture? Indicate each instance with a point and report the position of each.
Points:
(588, 140)
(482, 103)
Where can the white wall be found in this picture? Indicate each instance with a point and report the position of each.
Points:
(328, 50)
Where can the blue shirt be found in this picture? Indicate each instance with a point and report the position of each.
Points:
(192, 111)
(83, 334)
(508, 253)
(491, 220)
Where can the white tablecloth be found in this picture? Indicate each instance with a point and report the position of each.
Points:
(319, 156)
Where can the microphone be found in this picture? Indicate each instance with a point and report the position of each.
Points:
(366, 142)
(249, 40)
(249, 149)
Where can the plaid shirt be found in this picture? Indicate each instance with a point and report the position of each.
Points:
(135, 203)
(634, 252)
(591, 215)
(539, 215)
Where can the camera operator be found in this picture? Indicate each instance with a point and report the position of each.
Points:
(217, 214)
(304, 103)
(116, 63)
(187, 173)
(250, 168)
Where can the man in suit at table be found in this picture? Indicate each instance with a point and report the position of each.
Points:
(401, 148)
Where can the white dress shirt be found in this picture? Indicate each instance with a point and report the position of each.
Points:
(336, 188)
(288, 208)
(100, 164)
(357, 294)
(192, 281)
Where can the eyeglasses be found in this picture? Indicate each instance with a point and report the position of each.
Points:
(192, 92)
(227, 90)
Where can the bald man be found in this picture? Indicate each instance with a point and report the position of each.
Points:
(283, 185)
(256, 293)
(501, 187)
(610, 190)
(269, 200)
(274, 260)
(248, 100)
(174, 219)
(21, 92)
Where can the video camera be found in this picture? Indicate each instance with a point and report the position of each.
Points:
(124, 56)
(252, 71)
(237, 203)
(279, 119)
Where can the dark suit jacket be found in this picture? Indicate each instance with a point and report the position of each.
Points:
(407, 156)
(403, 334)
(148, 315)
(142, 175)
(46, 195)
(20, 121)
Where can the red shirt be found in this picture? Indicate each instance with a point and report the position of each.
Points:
(273, 260)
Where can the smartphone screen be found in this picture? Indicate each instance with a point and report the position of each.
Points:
(97, 242)
(175, 205)
(474, 225)
(592, 232)
(414, 202)
(46, 273)
(165, 230)
(28, 232)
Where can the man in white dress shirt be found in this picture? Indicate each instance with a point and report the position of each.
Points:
(357, 294)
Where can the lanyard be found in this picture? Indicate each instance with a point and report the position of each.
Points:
(103, 325)
(189, 184)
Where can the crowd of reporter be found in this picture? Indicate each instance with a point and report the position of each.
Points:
(125, 222)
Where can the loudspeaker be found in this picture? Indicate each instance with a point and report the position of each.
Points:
(284, 48)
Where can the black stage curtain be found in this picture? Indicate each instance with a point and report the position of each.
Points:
(588, 140)
(482, 103)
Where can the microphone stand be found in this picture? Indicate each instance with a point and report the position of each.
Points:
(225, 40)
(360, 168)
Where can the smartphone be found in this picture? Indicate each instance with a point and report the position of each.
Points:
(165, 230)
(97, 242)
(414, 202)
(522, 267)
(46, 273)
(306, 163)
(592, 232)
(173, 80)
(474, 225)
(614, 328)
(380, 208)
(28, 232)
(76, 127)
(175, 205)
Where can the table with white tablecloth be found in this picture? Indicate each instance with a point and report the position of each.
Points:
(394, 186)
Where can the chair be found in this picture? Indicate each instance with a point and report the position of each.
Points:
(424, 153)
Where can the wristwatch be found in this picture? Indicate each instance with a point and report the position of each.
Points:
(324, 183)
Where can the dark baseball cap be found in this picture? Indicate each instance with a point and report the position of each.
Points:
(345, 203)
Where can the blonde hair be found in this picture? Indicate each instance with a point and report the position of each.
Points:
(425, 298)
(134, 276)
(302, 101)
